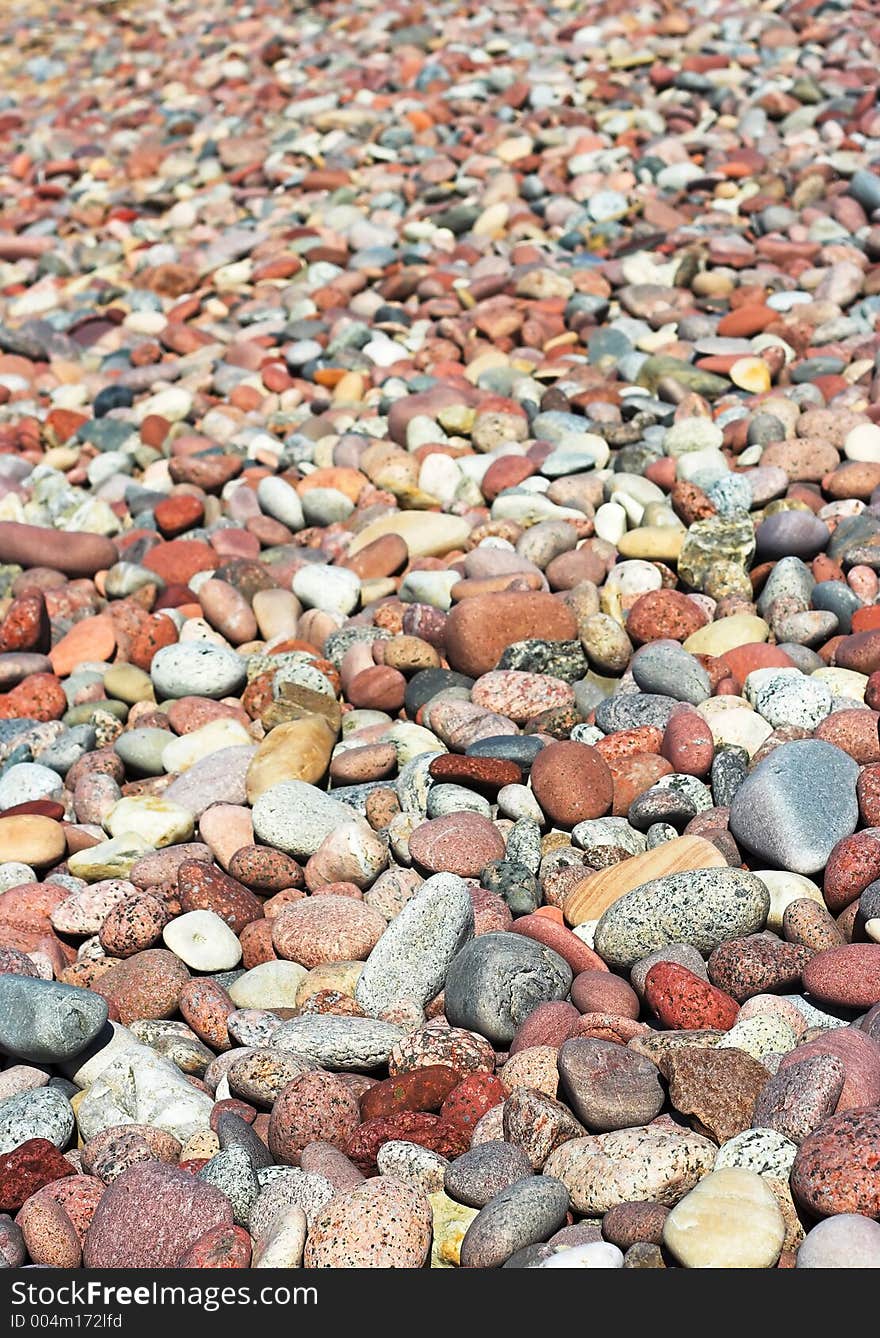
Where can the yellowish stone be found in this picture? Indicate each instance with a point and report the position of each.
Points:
(298, 750)
(451, 1221)
(656, 543)
(751, 374)
(785, 887)
(733, 722)
(741, 629)
(426, 534)
(109, 859)
(729, 1220)
(842, 682)
(203, 1143)
(182, 753)
(158, 821)
(339, 976)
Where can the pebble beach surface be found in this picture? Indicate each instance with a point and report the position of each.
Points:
(440, 635)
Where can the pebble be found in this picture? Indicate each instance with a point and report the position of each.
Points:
(805, 795)
(46, 1022)
(702, 907)
(729, 1220)
(496, 981)
(848, 1240)
(431, 591)
(524, 1213)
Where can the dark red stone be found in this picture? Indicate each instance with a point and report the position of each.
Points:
(28, 1168)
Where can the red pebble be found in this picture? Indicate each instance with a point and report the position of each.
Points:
(471, 1099)
(684, 1002)
(688, 744)
(410, 1126)
(423, 1089)
(28, 1168)
(579, 956)
(852, 865)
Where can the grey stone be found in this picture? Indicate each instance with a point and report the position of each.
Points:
(232, 1172)
(198, 669)
(234, 1132)
(790, 579)
(630, 710)
(525, 1213)
(497, 980)
(45, 1021)
(296, 818)
(284, 1187)
(339, 1042)
(42, 1113)
(664, 667)
(703, 907)
(796, 805)
(478, 1175)
(412, 957)
(608, 1086)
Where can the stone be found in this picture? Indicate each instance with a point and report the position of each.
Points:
(702, 907)
(608, 1086)
(660, 1162)
(115, 1238)
(729, 1220)
(835, 1168)
(848, 1240)
(497, 979)
(46, 1022)
(384, 1223)
(525, 1212)
(796, 804)
(411, 959)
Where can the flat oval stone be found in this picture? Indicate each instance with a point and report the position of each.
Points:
(659, 1162)
(479, 629)
(179, 1208)
(497, 980)
(847, 977)
(527, 1211)
(460, 843)
(796, 804)
(702, 906)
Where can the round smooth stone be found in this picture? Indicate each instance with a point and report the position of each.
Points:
(203, 941)
(197, 669)
(525, 1213)
(31, 840)
(846, 1241)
